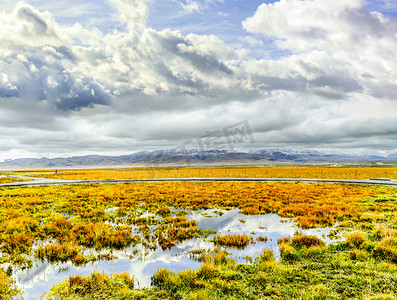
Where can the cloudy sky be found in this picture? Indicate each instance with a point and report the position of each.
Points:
(120, 76)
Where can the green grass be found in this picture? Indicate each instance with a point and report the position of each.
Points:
(314, 272)
(8, 290)
(95, 286)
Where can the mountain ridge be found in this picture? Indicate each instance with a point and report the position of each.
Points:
(160, 158)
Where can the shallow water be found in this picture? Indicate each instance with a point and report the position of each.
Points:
(39, 279)
(270, 225)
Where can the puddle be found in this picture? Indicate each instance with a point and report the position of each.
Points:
(39, 279)
(271, 226)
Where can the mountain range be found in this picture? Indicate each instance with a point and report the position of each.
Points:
(161, 158)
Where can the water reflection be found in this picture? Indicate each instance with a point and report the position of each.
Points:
(270, 225)
(142, 263)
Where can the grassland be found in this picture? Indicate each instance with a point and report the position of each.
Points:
(10, 180)
(59, 223)
(311, 273)
(337, 172)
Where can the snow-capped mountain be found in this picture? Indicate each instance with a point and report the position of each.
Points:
(198, 157)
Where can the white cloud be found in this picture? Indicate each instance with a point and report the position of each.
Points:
(304, 25)
(196, 5)
(339, 37)
(38, 59)
(132, 12)
(74, 87)
(251, 40)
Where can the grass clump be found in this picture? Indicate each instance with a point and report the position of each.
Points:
(300, 246)
(288, 253)
(386, 249)
(94, 286)
(62, 253)
(266, 255)
(356, 239)
(261, 239)
(8, 290)
(239, 241)
(358, 254)
(300, 241)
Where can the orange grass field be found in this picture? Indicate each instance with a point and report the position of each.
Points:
(337, 172)
(23, 210)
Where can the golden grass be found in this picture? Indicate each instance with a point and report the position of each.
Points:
(10, 180)
(337, 172)
(356, 238)
(300, 241)
(97, 286)
(239, 241)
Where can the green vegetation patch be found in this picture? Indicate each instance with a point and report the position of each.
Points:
(304, 272)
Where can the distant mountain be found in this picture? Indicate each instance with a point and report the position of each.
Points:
(195, 157)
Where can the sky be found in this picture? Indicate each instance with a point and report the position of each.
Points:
(120, 76)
